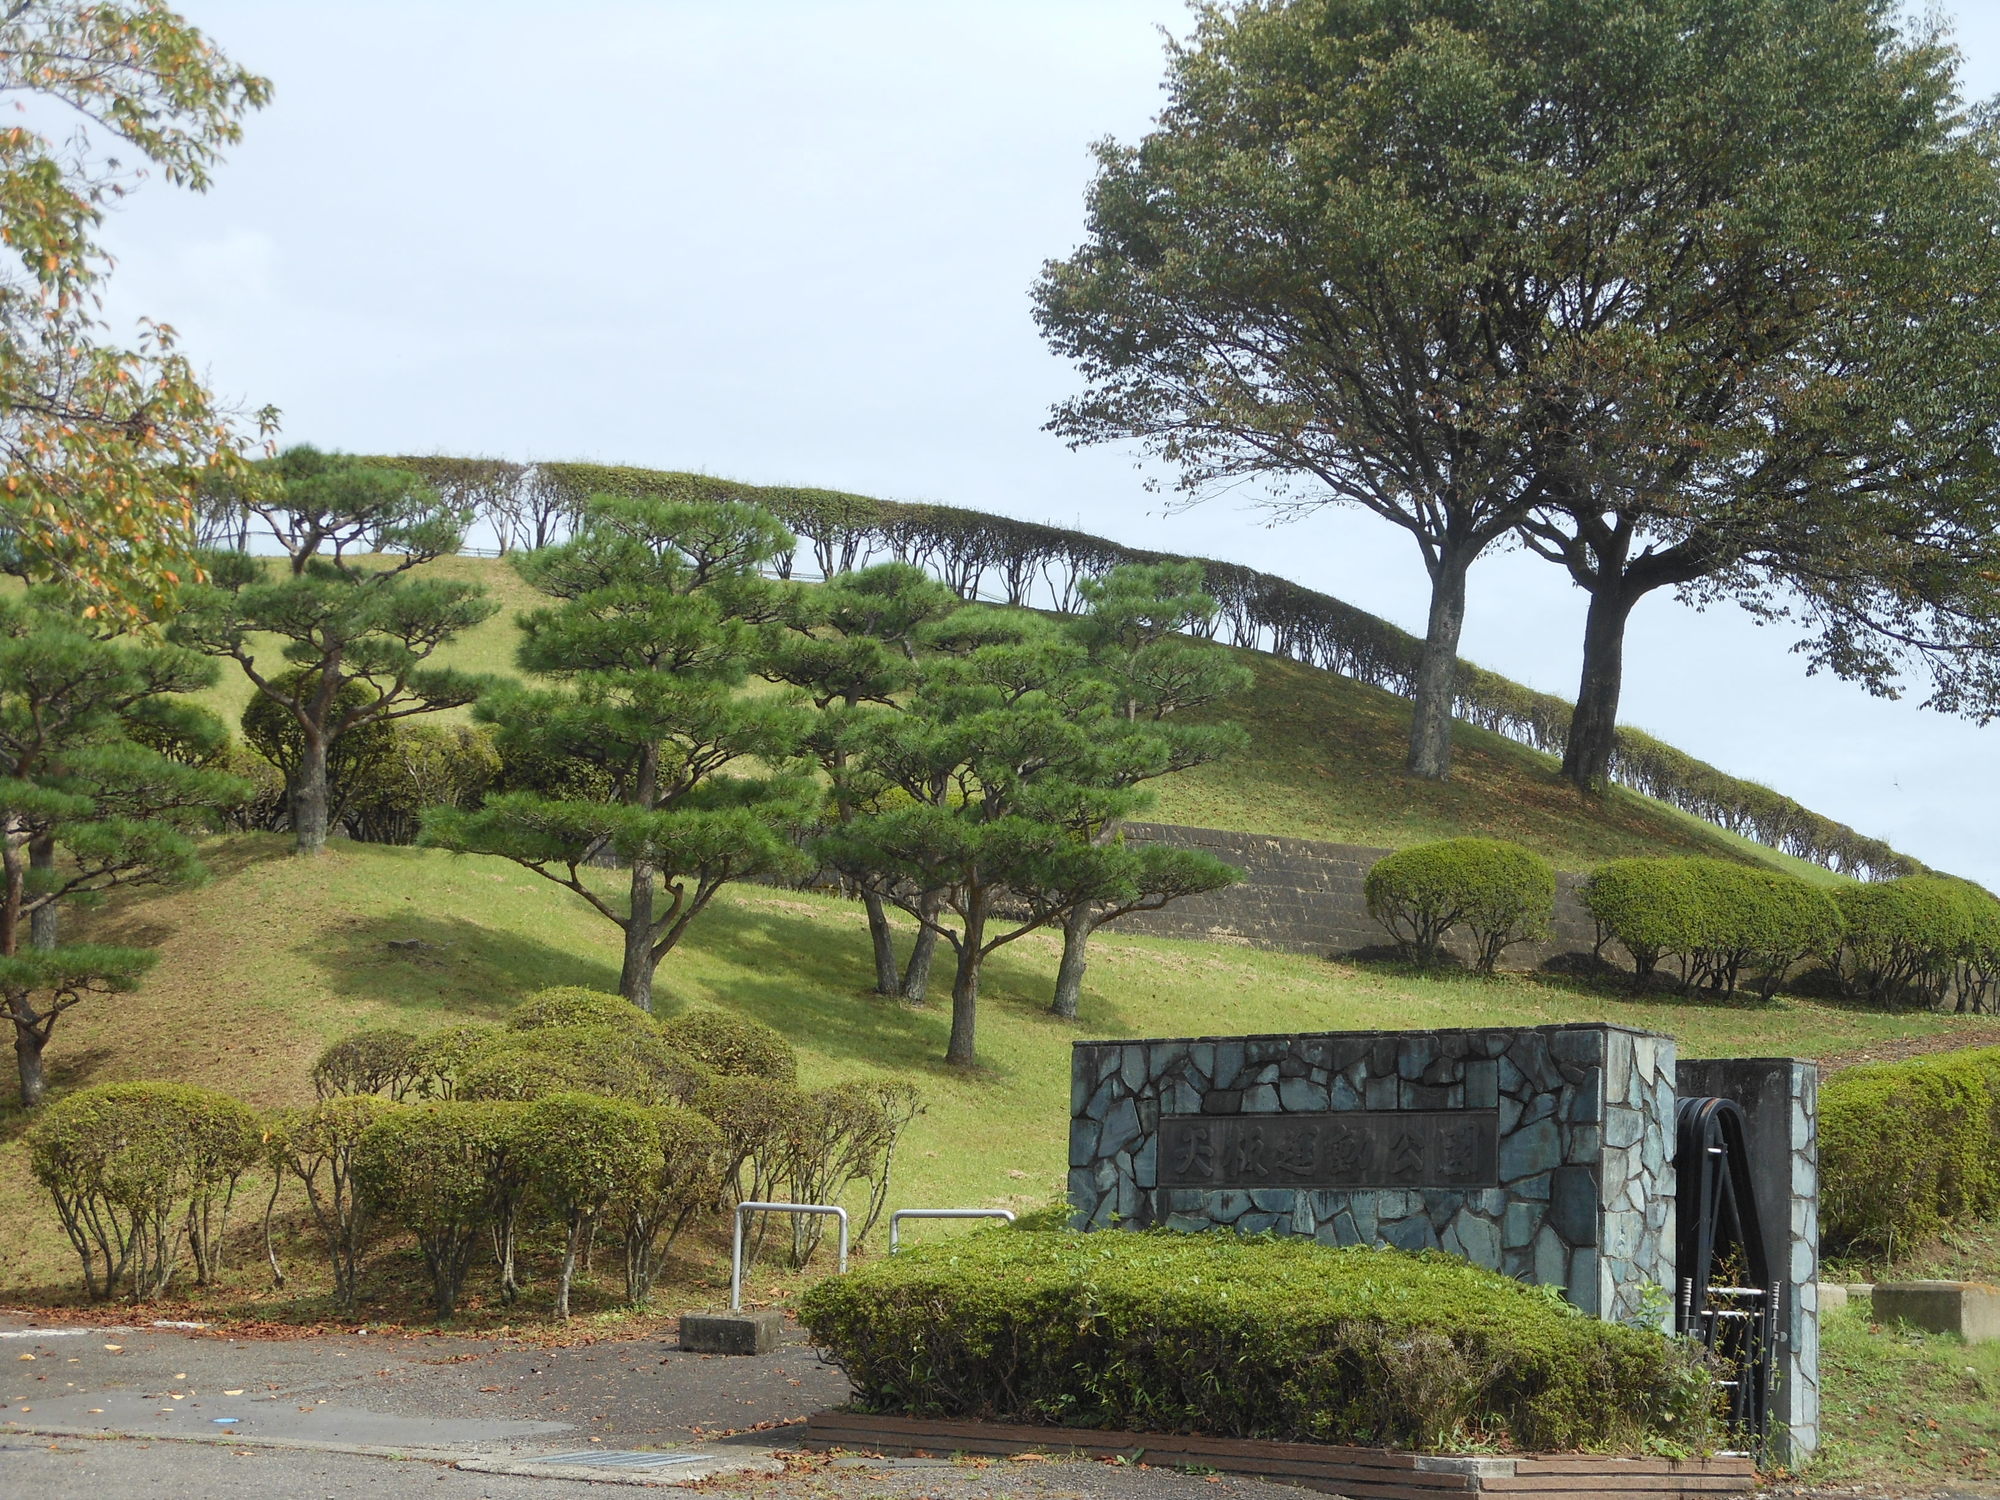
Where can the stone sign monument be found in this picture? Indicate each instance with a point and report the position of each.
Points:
(1545, 1152)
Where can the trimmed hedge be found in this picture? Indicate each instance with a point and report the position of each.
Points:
(732, 1045)
(573, 1005)
(1717, 921)
(1501, 893)
(139, 1169)
(1247, 1337)
(1919, 941)
(1907, 1149)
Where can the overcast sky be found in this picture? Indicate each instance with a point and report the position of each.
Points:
(791, 242)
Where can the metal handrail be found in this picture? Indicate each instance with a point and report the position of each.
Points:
(943, 1213)
(736, 1239)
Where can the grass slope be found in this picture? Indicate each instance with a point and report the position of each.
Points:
(276, 956)
(1326, 762)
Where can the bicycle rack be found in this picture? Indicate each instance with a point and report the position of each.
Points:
(900, 1214)
(736, 1240)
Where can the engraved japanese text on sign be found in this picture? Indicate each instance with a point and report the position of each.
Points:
(1456, 1148)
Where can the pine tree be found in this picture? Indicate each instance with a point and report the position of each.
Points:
(358, 625)
(853, 641)
(656, 627)
(1142, 628)
(87, 803)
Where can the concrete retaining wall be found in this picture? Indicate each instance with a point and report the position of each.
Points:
(1305, 896)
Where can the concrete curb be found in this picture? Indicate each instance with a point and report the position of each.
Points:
(224, 1440)
(752, 1462)
(732, 1461)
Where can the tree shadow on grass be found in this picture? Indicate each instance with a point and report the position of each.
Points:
(809, 978)
(451, 966)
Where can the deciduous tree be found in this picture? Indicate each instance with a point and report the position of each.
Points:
(1484, 265)
(104, 447)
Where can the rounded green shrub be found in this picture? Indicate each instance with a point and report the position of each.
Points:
(422, 766)
(1500, 893)
(732, 1045)
(636, 1065)
(586, 1156)
(442, 1056)
(518, 1074)
(1717, 921)
(437, 1170)
(1249, 1337)
(1907, 1149)
(684, 1177)
(759, 1119)
(1904, 939)
(573, 1005)
(317, 1146)
(138, 1169)
(369, 1062)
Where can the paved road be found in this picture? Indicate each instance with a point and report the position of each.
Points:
(157, 1414)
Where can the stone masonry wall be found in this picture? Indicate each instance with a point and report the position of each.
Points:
(1305, 896)
(1543, 1152)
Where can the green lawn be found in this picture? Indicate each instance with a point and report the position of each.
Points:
(277, 956)
(1902, 1404)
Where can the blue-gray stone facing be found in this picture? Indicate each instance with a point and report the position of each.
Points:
(1584, 1197)
(1779, 1097)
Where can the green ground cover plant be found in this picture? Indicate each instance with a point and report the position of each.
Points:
(1248, 1337)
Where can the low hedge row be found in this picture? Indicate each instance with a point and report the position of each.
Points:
(1716, 921)
(581, 1117)
(1923, 940)
(1907, 1149)
(1246, 1337)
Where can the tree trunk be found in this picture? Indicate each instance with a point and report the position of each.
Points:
(1436, 687)
(635, 980)
(883, 940)
(965, 983)
(45, 926)
(1069, 974)
(570, 1247)
(28, 1044)
(917, 977)
(309, 798)
(1593, 726)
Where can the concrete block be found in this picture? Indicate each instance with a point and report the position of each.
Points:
(1832, 1296)
(1970, 1309)
(731, 1332)
(1857, 1290)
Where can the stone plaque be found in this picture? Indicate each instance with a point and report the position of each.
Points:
(1453, 1148)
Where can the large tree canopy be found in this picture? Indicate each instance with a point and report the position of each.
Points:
(1480, 265)
(104, 448)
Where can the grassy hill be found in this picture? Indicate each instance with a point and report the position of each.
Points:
(262, 967)
(1325, 762)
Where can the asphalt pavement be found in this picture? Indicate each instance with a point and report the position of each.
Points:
(158, 1413)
